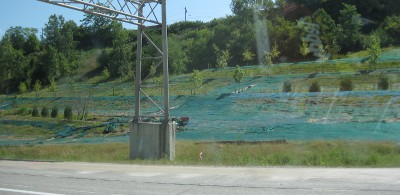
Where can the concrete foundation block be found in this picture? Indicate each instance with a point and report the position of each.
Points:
(151, 141)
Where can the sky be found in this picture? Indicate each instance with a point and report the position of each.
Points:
(33, 13)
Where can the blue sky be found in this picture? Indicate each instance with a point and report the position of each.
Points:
(32, 13)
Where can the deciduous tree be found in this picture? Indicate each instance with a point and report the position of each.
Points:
(37, 87)
(350, 21)
(238, 74)
(53, 87)
(374, 51)
(22, 88)
(197, 79)
(304, 49)
(248, 56)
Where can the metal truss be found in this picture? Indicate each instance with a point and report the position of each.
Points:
(129, 11)
(143, 14)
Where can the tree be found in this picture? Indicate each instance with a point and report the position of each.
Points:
(383, 82)
(72, 86)
(326, 24)
(68, 113)
(19, 35)
(58, 39)
(304, 49)
(223, 56)
(242, 7)
(178, 58)
(275, 51)
(37, 87)
(198, 44)
(185, 26)
(281, 3)
(15, 104)
(391, 26)
(51, 64)
(83, 104)
(329, 31)
(374, 51)
(322, 57)
(13, 66)
(32, 45)
(105, 74)
(287, 35)
(268, 59)
(45, 112)
(314, 87)
(152, 71)
(196, 79)
(59, 34)
(98, 31)
(59, 59)
(287, 87)
(350, 22)
(68, 43)
(346, 84)
(52, 32)
(248, 56)
(238, 74)
(118, 59)
(35, 111)
(54, 112)
(22, 88)
(16, 37)
(224, 59)
(53, 86)
(159, 82)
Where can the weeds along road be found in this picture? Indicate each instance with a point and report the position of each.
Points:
(21, 177)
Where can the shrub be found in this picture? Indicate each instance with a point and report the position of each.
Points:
(45, 112)
(287, 86)
(35, 112)
(105, 74)
(68, 113)
(54, 112)
(314, 87)
(238, 74)
(383, 83)
(23, 112)
(15, 103)
(346, 84)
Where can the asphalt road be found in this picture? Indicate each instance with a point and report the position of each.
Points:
(21, 177)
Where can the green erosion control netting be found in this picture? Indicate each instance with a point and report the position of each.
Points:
(58, 131)
(254, 110)
(390, 55)
(251, 115)
(290, 117)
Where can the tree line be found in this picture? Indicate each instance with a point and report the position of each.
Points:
(258, 32)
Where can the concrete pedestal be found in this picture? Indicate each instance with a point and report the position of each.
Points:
(152, 140)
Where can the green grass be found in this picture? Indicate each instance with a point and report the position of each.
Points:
(316, 153)
(364, 53)
(23, 128)
(313, 153)
(214, 79)
(23, 132)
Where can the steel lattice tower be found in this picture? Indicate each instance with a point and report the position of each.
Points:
(133, 12)
(144, 14)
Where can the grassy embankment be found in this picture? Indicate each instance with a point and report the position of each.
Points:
(323, 153)
(315, 153)
(89, 83)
